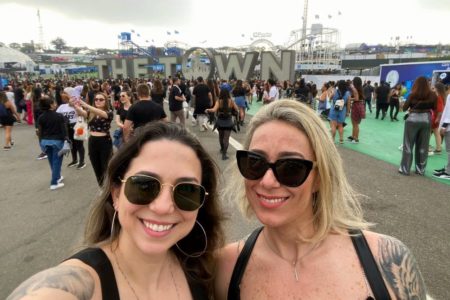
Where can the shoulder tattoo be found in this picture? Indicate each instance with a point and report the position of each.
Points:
(400, 269)
(74, 280)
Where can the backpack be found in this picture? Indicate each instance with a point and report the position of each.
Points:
(3, 111)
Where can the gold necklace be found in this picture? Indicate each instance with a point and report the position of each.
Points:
(295, 261)
(131, 287)
(123, 274)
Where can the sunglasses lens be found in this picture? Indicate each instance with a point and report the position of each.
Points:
(189, 196)
(142, 190)
(292, 172)
(251, 166)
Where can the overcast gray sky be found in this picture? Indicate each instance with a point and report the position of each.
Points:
(96, 23)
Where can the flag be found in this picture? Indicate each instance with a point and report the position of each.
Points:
(316, 16)
(168, 33)
(176, 32)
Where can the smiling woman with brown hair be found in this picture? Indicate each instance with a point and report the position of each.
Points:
(153, 231)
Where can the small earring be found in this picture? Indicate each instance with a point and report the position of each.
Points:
(197, 254)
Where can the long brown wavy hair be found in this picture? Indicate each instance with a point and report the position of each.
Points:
(98, 227)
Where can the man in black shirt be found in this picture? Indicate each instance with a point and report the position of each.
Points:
(381, 94)
(203, 101)
(368, 91)
(176, 99)
(142, 112)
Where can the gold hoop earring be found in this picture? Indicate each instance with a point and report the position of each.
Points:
(112, 226)
(196, 254)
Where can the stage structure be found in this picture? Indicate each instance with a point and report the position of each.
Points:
(317, 48)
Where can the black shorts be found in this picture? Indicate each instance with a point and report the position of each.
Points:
(8, 120)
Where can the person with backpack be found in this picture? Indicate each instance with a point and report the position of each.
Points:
(224, 120)
(8, 115)
(340, 109)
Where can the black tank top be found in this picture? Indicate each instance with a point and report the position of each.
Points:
(365, 256)
(97, 259)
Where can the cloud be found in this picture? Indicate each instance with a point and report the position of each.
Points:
(434, 4)
(137, 12)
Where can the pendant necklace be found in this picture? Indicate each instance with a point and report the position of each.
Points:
(123, 274)
(295, 261)
(131, 287)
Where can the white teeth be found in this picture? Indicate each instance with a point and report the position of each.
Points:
(273, 201)
(157, 227)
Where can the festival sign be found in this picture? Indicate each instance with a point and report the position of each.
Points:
(202, 62)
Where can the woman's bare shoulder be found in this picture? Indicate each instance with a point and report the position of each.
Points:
(226, 259)
(397, 265)
(70, 280)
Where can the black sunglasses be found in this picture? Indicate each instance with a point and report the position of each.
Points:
(291, 172)
(143, 189)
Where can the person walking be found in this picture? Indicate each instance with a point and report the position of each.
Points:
(176, 99)
(68, 111)
(416, 135)
(8, 116)
(444, 128)
(203, 101)
(382, 96)
(224, 119)
(142, 112)
(394, 102)
(368, 94)
(52, 130)
(340, 109)
(358, 108)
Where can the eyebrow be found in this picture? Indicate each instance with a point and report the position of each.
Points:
(281, 154)
(180, 179)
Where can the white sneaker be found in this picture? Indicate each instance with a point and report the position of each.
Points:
(205, 126)
(61, 179)
(56, 186)
(194, 122)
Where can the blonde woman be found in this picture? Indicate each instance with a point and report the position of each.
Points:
(293, 181)
(99, 118)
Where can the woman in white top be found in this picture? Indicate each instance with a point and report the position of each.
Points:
(68, 111)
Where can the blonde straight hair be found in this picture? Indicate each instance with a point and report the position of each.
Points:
(336, 206)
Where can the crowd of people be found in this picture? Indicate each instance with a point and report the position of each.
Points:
(138, 102)
(143, 239)
(155, 230)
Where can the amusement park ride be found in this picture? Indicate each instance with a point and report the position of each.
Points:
(316, 47)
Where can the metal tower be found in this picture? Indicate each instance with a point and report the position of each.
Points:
(41, 31)
(305, 19)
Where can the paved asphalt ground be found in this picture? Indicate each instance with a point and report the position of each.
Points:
(40, 228)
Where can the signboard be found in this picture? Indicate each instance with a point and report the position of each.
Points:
(207, 65)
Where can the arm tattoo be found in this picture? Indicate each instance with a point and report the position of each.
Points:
(400, 269)
(74, 280)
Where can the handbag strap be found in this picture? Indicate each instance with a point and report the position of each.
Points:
(369, 265)
(234, 290)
